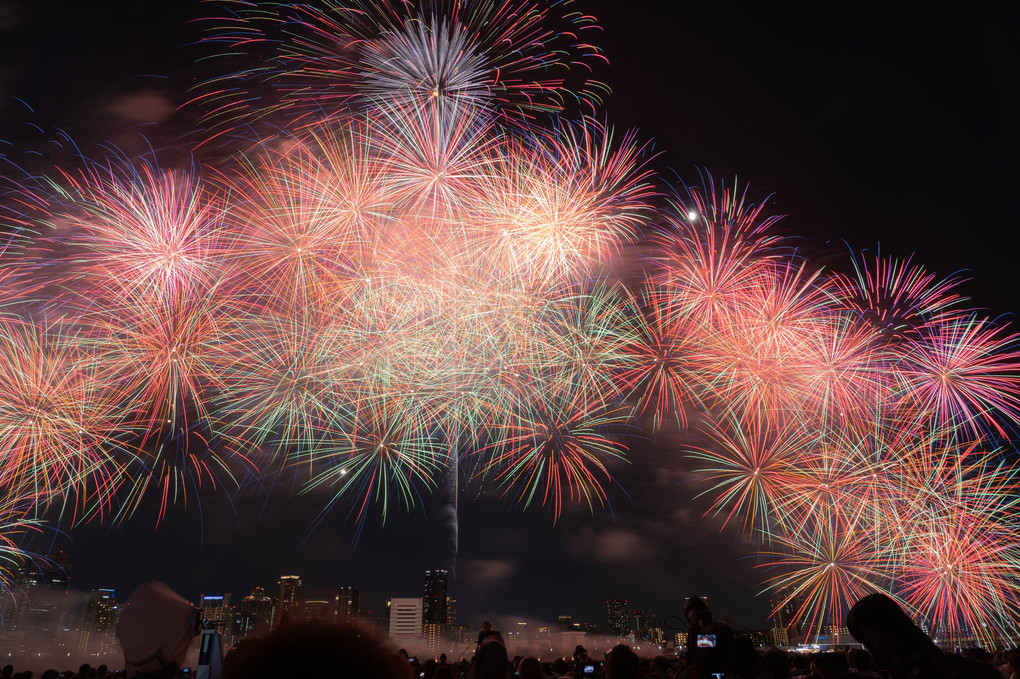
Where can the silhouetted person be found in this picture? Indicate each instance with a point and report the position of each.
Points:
(491, 660)
(530, 668)
(622, 663)
(708, 641)
(487, 633)
(315, 649)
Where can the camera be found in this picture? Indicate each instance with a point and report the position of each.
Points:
(706, 641)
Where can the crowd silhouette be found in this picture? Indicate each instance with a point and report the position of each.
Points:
(893, 648)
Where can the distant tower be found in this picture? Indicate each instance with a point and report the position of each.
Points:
(789, 630)
(641, 624)
(434, 608)
(566, 622)
(42, 591)
(98, 619)
(656, 634)
(288, 598)
(216, 609)
(256, 611)
(451, 618)
(348, 605)
(617, 611)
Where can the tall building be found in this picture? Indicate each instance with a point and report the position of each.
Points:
(566, 622)
(256, 611)
(434, 601)
(784, 616)
(451, 618)
(433, 615)
(640, 625)
(97, 623)
(617, 611)
(348, 605)
(288, 598)
(656, 634)
(405, 618)
(41, 594)
(216, 609)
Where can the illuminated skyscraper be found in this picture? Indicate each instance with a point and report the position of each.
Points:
(451, 618)
(43, 590)
(617, 610)
(216, 609)
(434, 607)
(256, 611)
(785, 606)
(640, 624)
(348, 605)
(98, 619)
(288, 598)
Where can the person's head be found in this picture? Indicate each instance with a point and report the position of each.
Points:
(859, 660)
(491, 661)
(622, 663)
(486, 626)
(315, 648)
(530, 668)
(778, 662)
(697, 612)
(829, 666)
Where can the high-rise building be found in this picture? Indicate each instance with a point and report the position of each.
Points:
(566, 622)
(451, 618)
(348, 605)
(405, 618)
(434, 610)
(785, 605)
(640, 625)
(41, 593)
(656, 634)
(288, 598)
(434, 601)
(617, 611)
(216, 609)
(97, 623)
(256, 611)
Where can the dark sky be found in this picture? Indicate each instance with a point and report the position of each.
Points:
(867, 124)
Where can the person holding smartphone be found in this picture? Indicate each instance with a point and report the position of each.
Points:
(708, 641)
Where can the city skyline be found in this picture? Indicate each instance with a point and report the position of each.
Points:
(850, 156)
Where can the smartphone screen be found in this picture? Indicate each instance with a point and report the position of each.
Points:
(706, 641)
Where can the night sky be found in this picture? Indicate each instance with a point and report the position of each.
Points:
(870, 127)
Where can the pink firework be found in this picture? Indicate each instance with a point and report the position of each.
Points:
(963, 371)
(559, 208)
